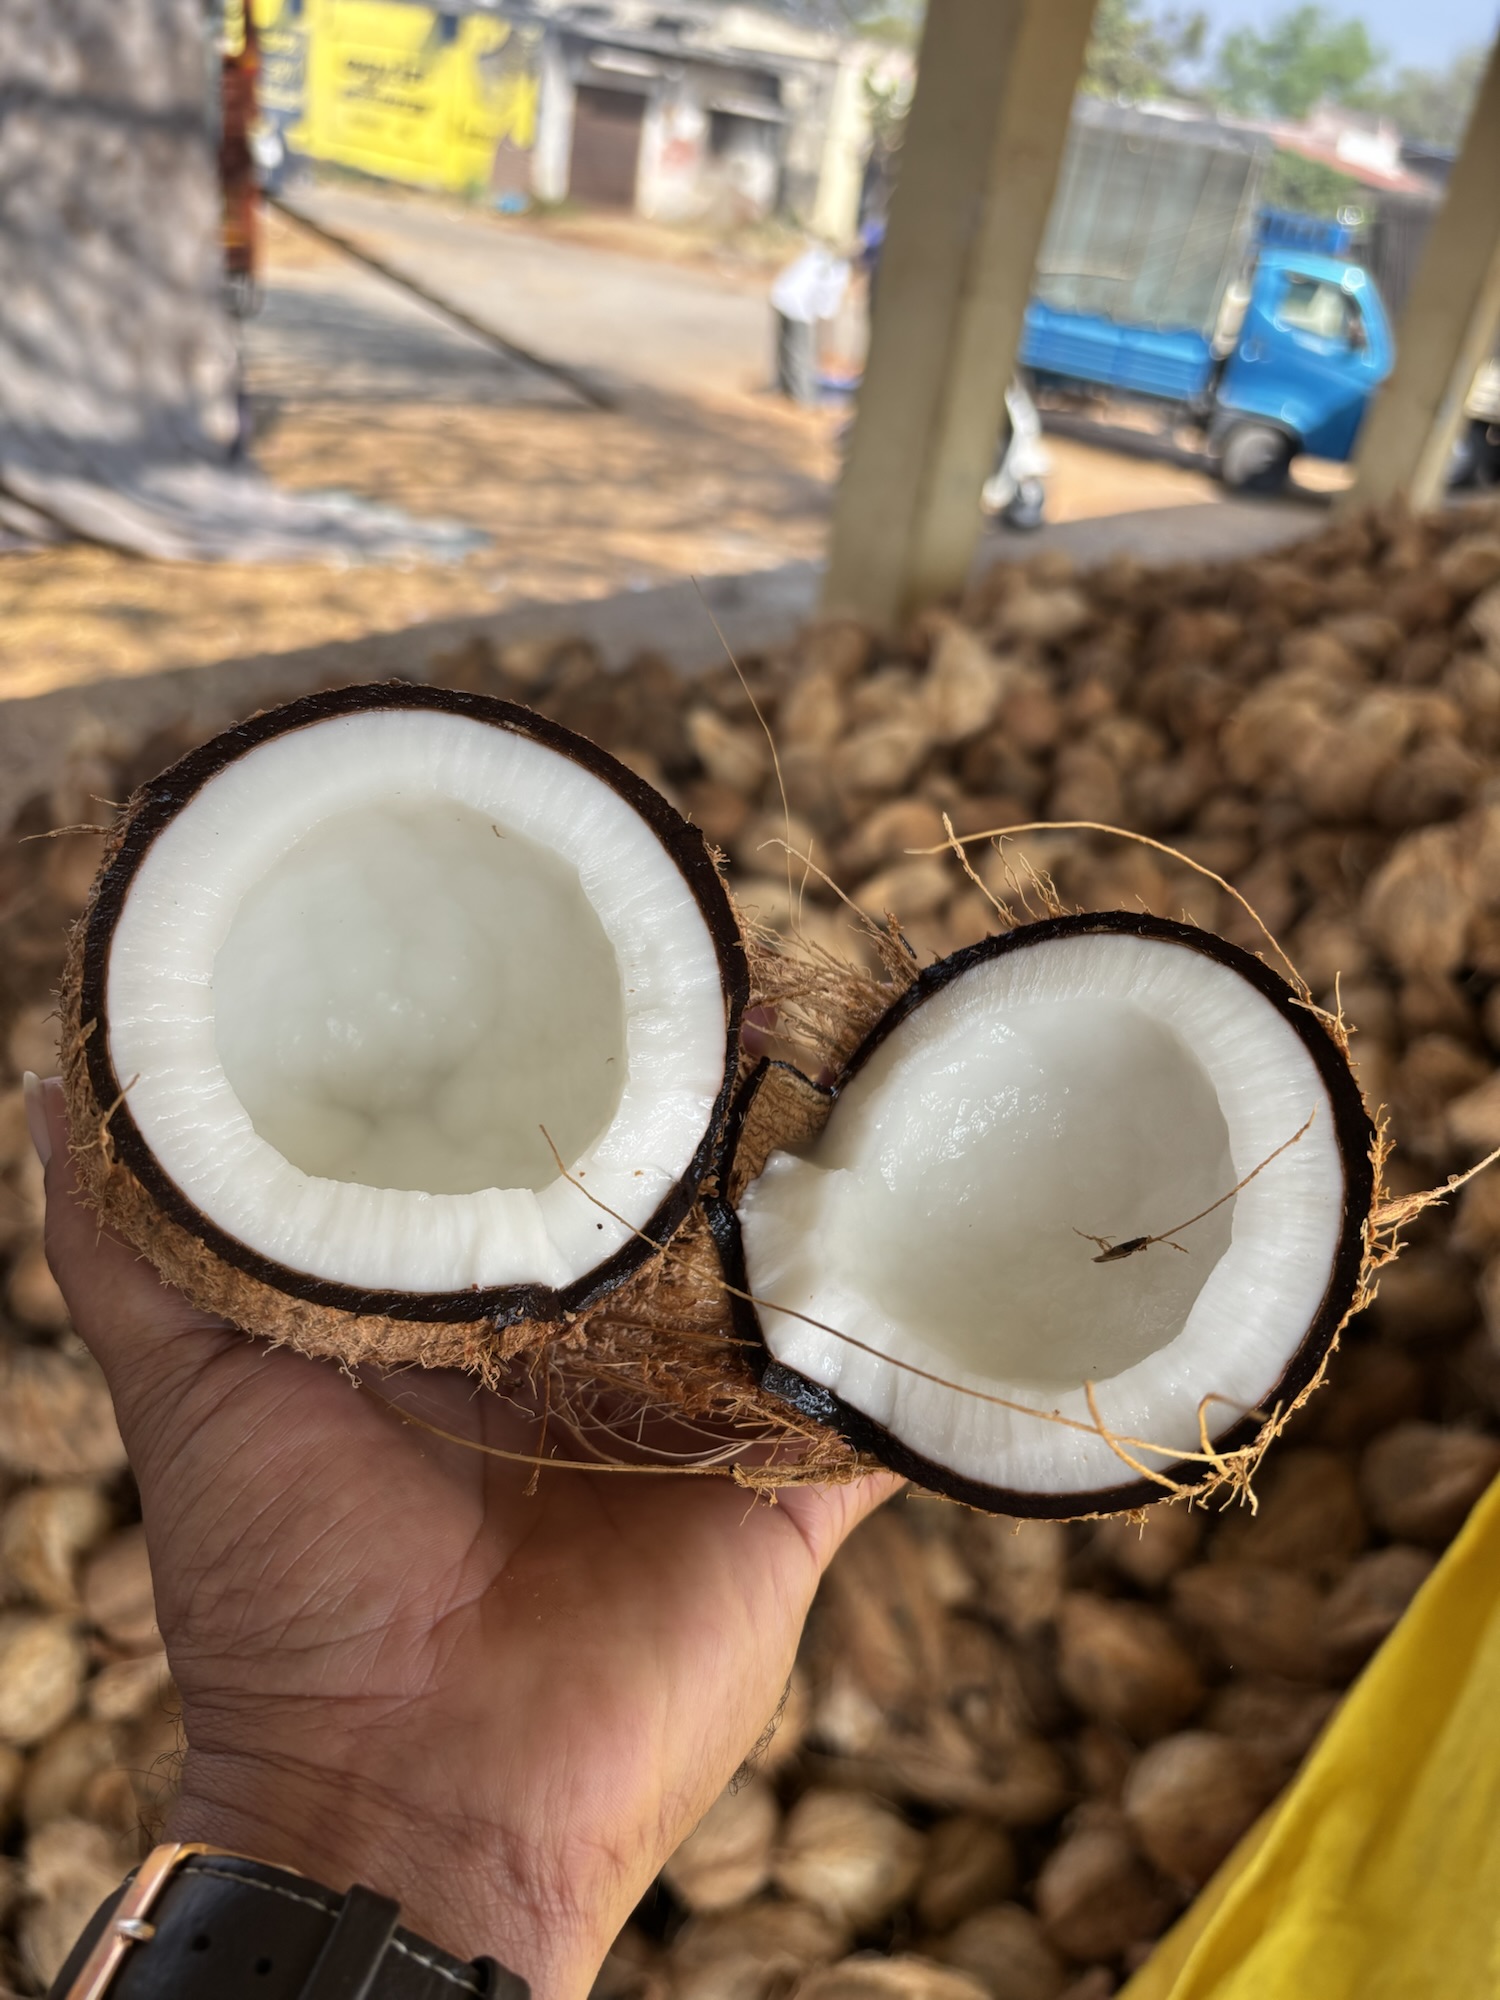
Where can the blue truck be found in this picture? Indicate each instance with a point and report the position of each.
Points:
(1162, 279)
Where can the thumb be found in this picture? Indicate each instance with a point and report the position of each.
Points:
(147, 1338)
(825, 1516)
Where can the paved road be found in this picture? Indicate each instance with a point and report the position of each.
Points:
(623, 319)
(339, 334)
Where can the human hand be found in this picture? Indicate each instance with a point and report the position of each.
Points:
(398, 1667)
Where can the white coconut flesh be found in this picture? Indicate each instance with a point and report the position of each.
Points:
(1094, 1086)
(378, 967)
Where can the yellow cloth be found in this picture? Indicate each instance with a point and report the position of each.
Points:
(1377, 1876)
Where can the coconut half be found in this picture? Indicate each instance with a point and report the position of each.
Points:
(1003, 1215)
(355, 976)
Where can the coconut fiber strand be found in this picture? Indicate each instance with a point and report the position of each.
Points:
(1375, 1878)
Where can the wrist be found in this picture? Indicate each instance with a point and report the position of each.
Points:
(462, 1887)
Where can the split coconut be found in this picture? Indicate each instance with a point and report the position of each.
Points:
(404, 1025)
(368, 991)
(1081, 1215)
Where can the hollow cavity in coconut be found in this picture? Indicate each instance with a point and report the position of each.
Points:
(369, 990)
(1086, 1208)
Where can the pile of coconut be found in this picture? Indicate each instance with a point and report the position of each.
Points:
(1009, 1756)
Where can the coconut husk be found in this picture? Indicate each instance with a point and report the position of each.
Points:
(759, 1948)
(1121, 1664)
(60, 1771)
(1369, 1600)
(906, 1977)
(117, 1592)
(1279, 1720)
(1096, 1895)
(1256, 1619)
(1150, 1548)
(1022, 1568)
(1006, 1950)
(127, 1690)
(69, 1867)
(44, 1530)
(41, 1670)
(726, 1859)
(969, 1865)
(1309, 1517)
(847, 1853)
(32, 1293)
(56, 1418)
(1190, 1797)
(1419, 1480)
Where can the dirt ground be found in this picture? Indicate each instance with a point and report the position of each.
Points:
(357, 388)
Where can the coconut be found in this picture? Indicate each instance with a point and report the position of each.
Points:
(1420, 1480)
(753, 1951)
(1006, 1950)
(906, 1977)
(1257, 1620)
(1278, 1720)
(33, 1294)
(41, 1671)
(56, 1418)
(970, 1863)
(117, 1592)
(69, 1869)
(1121, 1664)
(369, 990)
(43, 1532)
(1095, 1894)
(1309, 1517)
(1189, 1799)
(61, 1770)
(1370, 1599)
(1151, 1549)
(1089, 1205)
(848, 1854)
(727, 1856)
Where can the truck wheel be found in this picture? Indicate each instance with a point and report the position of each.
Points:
(1254, 458)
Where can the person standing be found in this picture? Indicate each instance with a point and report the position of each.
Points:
(810, 290)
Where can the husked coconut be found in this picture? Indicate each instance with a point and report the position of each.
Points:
(727, 1856)
(1189, 1799)
(1089, 1197)
(370, 989)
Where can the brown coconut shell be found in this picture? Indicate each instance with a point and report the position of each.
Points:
(139, 1202)
(804, 1106)
(1189, 1799)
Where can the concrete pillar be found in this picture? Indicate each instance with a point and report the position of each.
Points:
(1447, 330)
(979, 163)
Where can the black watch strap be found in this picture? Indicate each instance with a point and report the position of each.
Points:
(224, 1927)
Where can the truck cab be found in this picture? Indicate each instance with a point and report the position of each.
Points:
(1312, 348)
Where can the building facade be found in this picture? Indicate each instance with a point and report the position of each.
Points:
(683, 113)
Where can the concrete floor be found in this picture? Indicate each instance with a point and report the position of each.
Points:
(624, 319)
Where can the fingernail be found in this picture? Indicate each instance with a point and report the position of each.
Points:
(36, 1116)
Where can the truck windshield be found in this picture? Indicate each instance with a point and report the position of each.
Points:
(1313, 305)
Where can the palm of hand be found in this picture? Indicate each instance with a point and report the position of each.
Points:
(514, 1705)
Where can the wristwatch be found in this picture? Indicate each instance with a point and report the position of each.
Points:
(199, 1923)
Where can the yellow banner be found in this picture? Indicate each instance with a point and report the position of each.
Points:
(407, 93)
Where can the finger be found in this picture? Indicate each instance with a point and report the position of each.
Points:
(825, 1516)
(137, 1328)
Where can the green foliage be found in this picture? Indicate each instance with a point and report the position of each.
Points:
(1304, 55)
(1133, 54)
(1308, 186)
(1433, 104)
(898, 21)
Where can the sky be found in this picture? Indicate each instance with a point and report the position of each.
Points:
(1425, 36)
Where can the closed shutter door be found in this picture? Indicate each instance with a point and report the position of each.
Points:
(606, 146)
